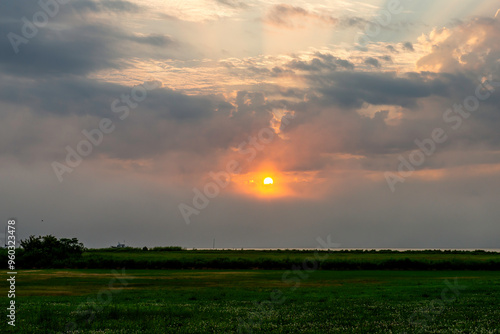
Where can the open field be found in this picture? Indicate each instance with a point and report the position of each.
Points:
(259, 301)
(135, 254)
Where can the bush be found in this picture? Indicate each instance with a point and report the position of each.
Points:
(49, 252)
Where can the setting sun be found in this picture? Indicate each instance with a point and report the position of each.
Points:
(268, 180)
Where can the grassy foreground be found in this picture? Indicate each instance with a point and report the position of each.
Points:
(258, 301)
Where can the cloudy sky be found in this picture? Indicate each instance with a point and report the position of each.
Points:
(156, 122)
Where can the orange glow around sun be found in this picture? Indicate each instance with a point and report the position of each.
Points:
(260, 184)
(268, 182)
(265, 182)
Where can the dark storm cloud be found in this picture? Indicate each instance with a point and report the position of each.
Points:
(351, 89)
(78, 96)
(68, 44)
(76, 50)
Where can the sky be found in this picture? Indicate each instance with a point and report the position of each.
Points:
(155, 123)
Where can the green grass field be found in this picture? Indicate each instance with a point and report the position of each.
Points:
(295, 255)
(259, 259)
(168, 258)
(258, 301)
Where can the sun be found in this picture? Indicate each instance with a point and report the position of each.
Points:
(268, 180)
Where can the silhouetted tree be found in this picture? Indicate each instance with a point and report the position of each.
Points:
(48, 251)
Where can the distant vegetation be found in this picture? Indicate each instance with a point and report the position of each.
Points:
(138, 249)
(48, 252)
(427, 260)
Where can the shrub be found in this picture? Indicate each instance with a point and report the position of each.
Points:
(48, 251)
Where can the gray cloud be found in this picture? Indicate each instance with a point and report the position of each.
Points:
(233, 3)
(408, 46)
(320, 62)
(391, 49)
(372, 62)
(351, 89)
(69, 44)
